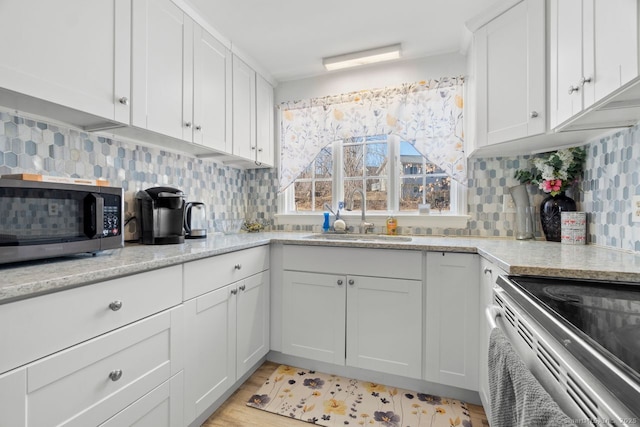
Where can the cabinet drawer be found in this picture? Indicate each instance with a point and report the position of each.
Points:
(162, 407)
(88, 383)
(354, 261)
(208, 274)
(39, 326)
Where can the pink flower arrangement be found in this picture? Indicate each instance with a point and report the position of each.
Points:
(556, 171)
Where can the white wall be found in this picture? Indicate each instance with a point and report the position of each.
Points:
(372, 77)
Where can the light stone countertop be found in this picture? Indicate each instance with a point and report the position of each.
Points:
(23, 280)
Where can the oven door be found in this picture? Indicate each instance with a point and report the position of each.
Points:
(578, 393)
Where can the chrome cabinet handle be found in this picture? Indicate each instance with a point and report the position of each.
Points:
(260, 150)
(243, 287)
(487, 270)
(124, 100)
(198, 127)
(340, 282)
(115, 305)
(573, 89)
(253, 147)
(585, 80)
(533, 114)
(188, 124)
(351, 281)
(237, 266)
(234, 291)
(115, 375)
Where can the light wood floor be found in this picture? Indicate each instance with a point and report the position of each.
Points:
(234, 412)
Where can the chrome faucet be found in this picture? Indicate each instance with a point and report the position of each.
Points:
(364, 225)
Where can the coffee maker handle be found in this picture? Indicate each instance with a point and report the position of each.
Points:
(187, 212)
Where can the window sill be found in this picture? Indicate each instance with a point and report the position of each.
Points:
(433, 220)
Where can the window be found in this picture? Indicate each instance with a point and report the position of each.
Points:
(394, 176)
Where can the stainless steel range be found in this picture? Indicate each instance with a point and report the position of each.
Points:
(580, 339)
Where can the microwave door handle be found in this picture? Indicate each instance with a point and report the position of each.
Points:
(93, 215)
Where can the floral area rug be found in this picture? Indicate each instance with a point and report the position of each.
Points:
(331, 400)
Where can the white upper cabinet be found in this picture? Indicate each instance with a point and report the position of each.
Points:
(510, 75)
(74, 54)
(212, 104)
(157, 73)
(244, 110)
(593, 52)
(264, 122)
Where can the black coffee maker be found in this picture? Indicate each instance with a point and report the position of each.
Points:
(160, 213)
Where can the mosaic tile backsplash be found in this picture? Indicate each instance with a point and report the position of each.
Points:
(35, 146)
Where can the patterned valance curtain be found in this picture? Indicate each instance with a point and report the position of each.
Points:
(428, 114)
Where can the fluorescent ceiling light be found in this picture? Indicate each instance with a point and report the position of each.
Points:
(363, 57)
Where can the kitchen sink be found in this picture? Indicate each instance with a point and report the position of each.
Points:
(359, 237)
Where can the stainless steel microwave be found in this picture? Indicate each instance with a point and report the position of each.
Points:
(44, 220)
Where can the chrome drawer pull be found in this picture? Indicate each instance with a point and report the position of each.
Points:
(234, 291)
(339, 282)
(487, 270)
(351, 281)
(237, 266)
(243, 287)
(116, 305)
(115, 375)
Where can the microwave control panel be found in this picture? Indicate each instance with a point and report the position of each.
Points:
(112, 215)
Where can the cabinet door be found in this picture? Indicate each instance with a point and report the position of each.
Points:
(210, 323)
(73, 53)
(264, 122)
(511, 74)
(244, 110)
(313, 316)
(13, 398)
(608, 62)
(451, 338)
(161, 407)
(212, 104)
(384, 325)
(252, 322)
(157, 67)
(566, 33)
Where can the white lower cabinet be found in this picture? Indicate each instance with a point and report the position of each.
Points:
(451, 328)
(86, 384)
(357, 307)
(227, 328)
(210, 361)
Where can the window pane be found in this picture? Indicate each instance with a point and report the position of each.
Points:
(324, 164)
(377, 194)
(377, 159)
(421, 181)
(353, 160)
(322, 194)
(349, 187)
(302, 196)
(411, 192)
(438, 192)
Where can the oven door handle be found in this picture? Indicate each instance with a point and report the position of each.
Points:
(492, 312)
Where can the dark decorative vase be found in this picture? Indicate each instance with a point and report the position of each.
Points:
(550, 214)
